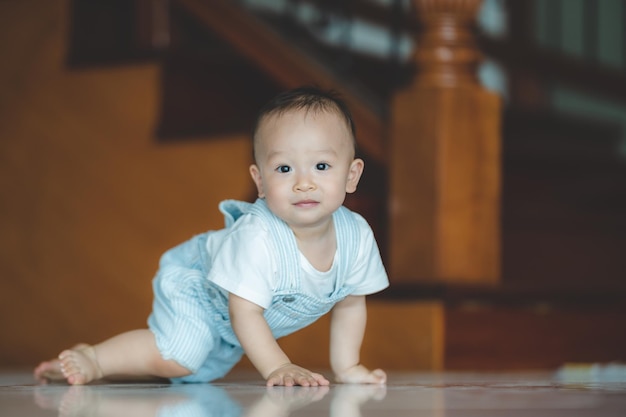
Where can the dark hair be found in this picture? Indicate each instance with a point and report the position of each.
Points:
(306, 98)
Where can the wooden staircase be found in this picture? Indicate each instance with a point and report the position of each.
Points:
(564, 202)
(561, 293)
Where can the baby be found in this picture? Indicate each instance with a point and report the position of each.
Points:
(278, 265)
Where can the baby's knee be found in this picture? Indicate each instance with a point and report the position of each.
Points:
(169, 368)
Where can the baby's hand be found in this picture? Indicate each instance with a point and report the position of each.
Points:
(359, 374)
(290, 375)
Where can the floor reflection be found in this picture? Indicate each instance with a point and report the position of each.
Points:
(201, 400)
(425, 394)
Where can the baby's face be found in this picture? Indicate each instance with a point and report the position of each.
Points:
(305, 165)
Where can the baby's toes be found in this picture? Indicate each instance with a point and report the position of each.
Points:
(48, 370)
(69, 366)
(77, 379)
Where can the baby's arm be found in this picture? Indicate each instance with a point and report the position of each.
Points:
(261, 348)
(346, 335)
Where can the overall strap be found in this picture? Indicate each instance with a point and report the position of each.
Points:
(232, 210)
(348, 238)
(283, 241)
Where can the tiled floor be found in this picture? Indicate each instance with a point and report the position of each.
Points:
(517, 394)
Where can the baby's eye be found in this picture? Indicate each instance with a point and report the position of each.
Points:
(322, 166)
(283, 169)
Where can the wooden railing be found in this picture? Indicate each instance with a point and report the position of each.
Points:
(533, 60)
(119, 31)
(289, 66)
(445, 153)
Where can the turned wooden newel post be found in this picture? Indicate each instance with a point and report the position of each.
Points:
(445, 158)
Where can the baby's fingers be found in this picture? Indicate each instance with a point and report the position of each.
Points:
(377, 376)
(320, 379)
(361, 375)
(275, 380)
(305, 379)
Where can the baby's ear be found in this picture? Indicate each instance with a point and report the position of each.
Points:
(255, 173)
(354, 175)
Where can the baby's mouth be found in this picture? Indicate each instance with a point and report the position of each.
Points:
(306, 203)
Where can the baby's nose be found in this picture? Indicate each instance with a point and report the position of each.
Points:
(304, 183)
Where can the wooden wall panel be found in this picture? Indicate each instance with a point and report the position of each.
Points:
(88, 199)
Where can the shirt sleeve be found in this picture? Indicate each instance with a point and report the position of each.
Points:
(242, 263)
(369, 275)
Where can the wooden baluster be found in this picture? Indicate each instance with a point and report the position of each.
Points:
(445, 158)
(446, 54)
(152, 25)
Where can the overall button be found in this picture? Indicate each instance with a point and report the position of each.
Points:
(289, 299)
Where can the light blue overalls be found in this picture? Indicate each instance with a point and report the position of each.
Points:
(190, 317)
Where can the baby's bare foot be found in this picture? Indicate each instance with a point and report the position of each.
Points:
(51, 370)
(80, 366)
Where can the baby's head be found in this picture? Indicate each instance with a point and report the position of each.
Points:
(304, 151)
(308, 99)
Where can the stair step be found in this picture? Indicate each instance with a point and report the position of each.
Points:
(563, 257)
(557, 138)
(506, 327)
(542, 337)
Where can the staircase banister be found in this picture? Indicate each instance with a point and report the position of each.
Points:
(288, 65)
(554, 66)
(374, 13)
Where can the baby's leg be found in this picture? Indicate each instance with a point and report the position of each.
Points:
(133, 354)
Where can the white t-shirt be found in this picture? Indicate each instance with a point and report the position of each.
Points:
(242, 264)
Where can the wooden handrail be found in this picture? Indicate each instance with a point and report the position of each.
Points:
(551, 65)
(373, 13)
(288, 65)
